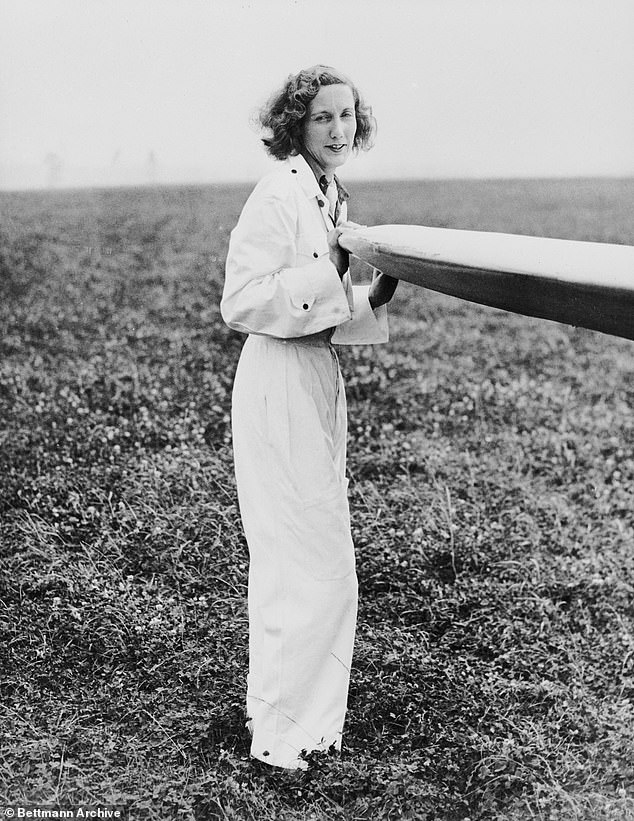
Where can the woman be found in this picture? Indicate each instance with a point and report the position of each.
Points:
(287, 286)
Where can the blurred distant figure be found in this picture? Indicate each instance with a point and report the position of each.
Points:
(151, 168)
(54, 166)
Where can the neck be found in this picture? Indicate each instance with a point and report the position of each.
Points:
(316, 166)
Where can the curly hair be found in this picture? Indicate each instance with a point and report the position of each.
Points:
(284, 114)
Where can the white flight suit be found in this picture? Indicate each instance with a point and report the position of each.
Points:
(289, 439)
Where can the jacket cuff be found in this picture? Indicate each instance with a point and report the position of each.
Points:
(367, 327)
(317, 290)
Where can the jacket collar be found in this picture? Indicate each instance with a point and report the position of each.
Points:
(308, 179)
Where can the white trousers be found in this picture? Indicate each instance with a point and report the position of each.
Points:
(289, 437)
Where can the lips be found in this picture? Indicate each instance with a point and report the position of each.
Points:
(336, 147)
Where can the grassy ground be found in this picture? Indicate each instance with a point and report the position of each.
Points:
(491, 465)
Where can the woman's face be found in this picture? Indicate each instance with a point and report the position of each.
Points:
(330, 126)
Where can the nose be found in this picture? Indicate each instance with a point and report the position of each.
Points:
(336, 127)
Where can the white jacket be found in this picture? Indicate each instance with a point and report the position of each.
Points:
(279, 278)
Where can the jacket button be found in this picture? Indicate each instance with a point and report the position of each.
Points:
(320, 203)
(305, 306)
(293, 171)
(315, 254)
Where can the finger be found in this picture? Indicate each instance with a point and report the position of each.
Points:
(350, 224)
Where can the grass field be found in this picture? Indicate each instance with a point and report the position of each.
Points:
(491, 460)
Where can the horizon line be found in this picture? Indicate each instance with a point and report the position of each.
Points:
(358, 181)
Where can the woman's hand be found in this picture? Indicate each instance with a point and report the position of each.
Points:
(381, 290)
(339, 257)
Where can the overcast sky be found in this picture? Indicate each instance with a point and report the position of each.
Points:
(111, 91)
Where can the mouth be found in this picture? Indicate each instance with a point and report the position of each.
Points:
(337, 148)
